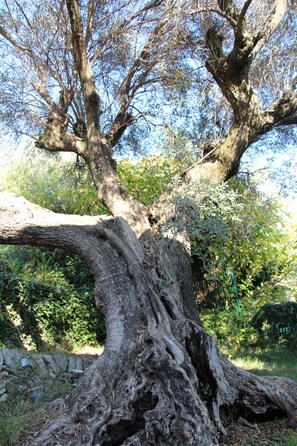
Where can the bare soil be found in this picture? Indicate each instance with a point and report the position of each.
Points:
(273, 433)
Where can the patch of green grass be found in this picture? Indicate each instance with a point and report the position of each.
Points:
(278, 361)
(270, 362)
(18, 412)
(291, 440)
(15, 415)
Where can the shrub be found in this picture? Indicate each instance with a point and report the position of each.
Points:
(47, 313)
(277, 321)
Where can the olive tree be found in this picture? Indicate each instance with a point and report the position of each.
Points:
(85, 72)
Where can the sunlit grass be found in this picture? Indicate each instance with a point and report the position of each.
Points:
(271, 362)
(88, 350)
(14, 417)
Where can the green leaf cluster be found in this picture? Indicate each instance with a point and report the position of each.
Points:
(148, 177)
(236, 231)
(50, 302)
(63, 186)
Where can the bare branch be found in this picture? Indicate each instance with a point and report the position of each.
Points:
(83, 66)
(89, 26)
(25, 15)
(279, 10)
(243, 13)
(129, 88)
(23, 222)
(283, 111)
(218, 11)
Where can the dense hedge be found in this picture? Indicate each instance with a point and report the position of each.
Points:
(276, 321)
(47, 314)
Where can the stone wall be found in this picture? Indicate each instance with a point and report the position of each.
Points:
(42, 368)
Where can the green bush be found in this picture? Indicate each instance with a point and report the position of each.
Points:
(275, 322)
(231, 330)
(47, 313)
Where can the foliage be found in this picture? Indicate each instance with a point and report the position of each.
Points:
(231, 330)
(204, 211)
(233, 229)
(47, 296)
(48, 304)
(230, 228)
(149, 177)
(56, 184)
(243, 250)
(277, 321)
(66, 186)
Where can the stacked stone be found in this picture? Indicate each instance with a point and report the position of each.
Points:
(41, 367)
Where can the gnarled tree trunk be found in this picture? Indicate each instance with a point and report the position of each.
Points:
(161, 379)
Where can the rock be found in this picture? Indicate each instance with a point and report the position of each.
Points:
(51, 365)
(36, 394)
(11, 359)
(15, 380)
(3, 398)
(62, 362)
(8, 370)
(79, 364)
(40, 364)
(71, 363)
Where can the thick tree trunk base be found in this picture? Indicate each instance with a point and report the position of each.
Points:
(161, 380)
(163, 391)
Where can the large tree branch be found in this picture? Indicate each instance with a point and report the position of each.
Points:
(84, 69)
(280, 8)
(56, 137)
(283, 110)
(110, 189)
(23, 222)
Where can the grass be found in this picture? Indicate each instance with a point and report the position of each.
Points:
(274, 440)
(277, 361)
(15, 415)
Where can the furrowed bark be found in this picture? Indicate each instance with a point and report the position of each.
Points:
(161, 379)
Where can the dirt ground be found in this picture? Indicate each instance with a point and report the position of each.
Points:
(274, 433)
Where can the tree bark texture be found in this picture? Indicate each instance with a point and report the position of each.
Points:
(161, 379)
